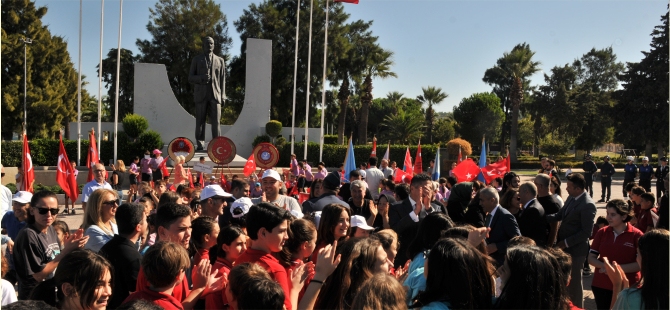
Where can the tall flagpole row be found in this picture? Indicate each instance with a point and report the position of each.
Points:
(79, 91)
(295, 75)
(102, 14)
(116, 99)
(309, 77)
(323, 87)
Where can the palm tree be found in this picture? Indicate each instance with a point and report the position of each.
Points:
(432, 96)
(404, 127)
(513, 68)
(378, 66)
(396, 101)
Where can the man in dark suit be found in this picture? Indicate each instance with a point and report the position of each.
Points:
(122, 252)
(502, 223)
(532, 221)
(405, 216)
(577, 218)
(208, 73)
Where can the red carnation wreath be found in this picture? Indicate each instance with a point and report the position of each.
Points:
(181, 146)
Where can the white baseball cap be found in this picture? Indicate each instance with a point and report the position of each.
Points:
(363, 173)
(271, 174)
(359, 221)
(22, 197)
(297, 214)
(630, 158)
(212, 178)
(213, 190)
(243, 203)
(645, 158)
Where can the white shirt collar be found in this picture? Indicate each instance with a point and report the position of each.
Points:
(526, 205)
(580, 196)
(411, 201)
(493, 213)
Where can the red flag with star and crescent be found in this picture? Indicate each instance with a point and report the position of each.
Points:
(250, 166)
(28, 171)
(65, 174)
(402, 177)
(466, 171)
(495, 170)
(408, 163)
(92, 157)
(418, 165)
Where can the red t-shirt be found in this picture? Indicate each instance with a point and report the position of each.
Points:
(621, 249)
(315, 254)
(218, 300)
(309, 279)
(645, 219)
(180, 291)
(164, 300)
(573, 307)
(199, 255)
(272, 266)
(636, 210)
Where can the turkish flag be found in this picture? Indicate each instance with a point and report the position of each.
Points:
(190, 178)
(294, 190)
(92, 157)
(28, 171)
(495, 170)
(408, 163)
(418, 166)
(402, 177)
(65, 174)
(303, 197)
(162, 167)
(250, 166)
(374, 149)
(466, 171)
(348, 1)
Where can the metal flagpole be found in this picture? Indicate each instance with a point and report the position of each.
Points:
(118, 68)
(323, 87)
(295, 75)
(79, 92)
(309, 77)
(102, 10)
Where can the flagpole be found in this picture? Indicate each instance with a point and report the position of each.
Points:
(79, 91)
(295, 75)
(118, 68)
(323, 87)
(102, 15)
(309, 78)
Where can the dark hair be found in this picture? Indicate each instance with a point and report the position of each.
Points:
(442, 180)
(402, 191)
(147, 198)
(629, 186)
(654, 269)
(35, 200)
(382, 291)
(179, 189)
(507, 179)
(139, 304)
(458, 273)
(564, 261)
(242, 275)
(266, 216)
(239, 221)
(202, 157)
(430, 230)
(80, 268)
(577, 179)
(354, 173)
(261, 293)
(638, 190)
(520, 240)
(168, 197)
(330, 216)
(312, 188)
(531, 292)
(420, 178)
(648, 197)
(194, 205)
(300, 231)
(452, 180)
(163, 263)
(129, 215)
(551, 162)
(170, 213)
(62, 226)
(557, 182)
(621, 208)
(29, 305)
(373, 161)
(602, 220)
(359, 256)
(226, 236)
(238, 183)
(462, 231)
(498, 180)
(506, 199)
(202, 225)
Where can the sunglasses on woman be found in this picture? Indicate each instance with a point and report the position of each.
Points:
(112, 202)
(44, 211)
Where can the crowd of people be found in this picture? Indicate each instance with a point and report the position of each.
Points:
(367, 243)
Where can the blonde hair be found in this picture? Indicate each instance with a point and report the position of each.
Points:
(93, 208)
(120, 166)
(181, 159)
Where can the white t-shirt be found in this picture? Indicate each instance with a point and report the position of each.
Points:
(290, 202)
(8, 294)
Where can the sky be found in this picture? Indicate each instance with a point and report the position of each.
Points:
(442, 43)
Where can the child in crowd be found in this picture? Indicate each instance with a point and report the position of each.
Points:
(382, 291)
(359, 227)
(636, 196)
(389, 241)
(149, 206)
(196, 208)
(7, 292)
(62, 230)
(646, 220)
(333, 225)
(230, 244)
(204, 234)
(299, 246)
(497, 183)
(164, 266)
(239, 278)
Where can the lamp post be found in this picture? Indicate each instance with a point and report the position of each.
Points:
(25, 41)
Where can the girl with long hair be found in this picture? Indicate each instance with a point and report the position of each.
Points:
(430, 230)
(230, 244)
(382, 291)
(333, 225)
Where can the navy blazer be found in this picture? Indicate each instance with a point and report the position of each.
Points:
(503, 228)
(533, 223)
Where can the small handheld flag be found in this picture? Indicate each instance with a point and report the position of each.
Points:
(436, 169)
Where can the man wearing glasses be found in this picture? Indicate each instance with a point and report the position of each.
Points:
(37, 251)
(98, 182)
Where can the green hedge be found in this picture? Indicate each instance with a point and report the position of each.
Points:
(44, 152)
(39, 187)
(333, 155)
(332, 139)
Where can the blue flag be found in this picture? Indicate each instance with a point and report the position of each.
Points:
(349, 162)
(482, 161)
(436, 169)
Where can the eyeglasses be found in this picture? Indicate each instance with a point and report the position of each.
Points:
(44, 211)
(98, 171)
(112, 202)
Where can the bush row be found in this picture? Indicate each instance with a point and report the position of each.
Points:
(39, 187)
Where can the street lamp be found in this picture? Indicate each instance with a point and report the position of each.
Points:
(25, 41)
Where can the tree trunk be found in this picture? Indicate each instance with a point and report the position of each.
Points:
(66, 124)
(366, 100)
(429, 123)
(343, 96)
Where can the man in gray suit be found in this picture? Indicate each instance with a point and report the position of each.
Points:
(577, 218)
(208, 73)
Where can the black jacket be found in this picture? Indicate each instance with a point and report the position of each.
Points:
(125, 258)
(403, 224)
(533, 224)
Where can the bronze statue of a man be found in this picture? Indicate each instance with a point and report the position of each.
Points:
(208, 74)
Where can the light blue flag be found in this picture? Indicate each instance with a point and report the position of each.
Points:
(482, 161)
(349, 162)
(436, 169)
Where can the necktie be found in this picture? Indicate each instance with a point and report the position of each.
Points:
(488, 220)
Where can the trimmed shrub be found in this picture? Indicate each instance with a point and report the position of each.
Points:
(453, 147)
(150, 140)
(134, 125)
(332, 139)
(261, 139)
(273, 128)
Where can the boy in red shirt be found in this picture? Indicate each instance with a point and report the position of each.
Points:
(645, 221)
(164, 266)
(269, 231)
